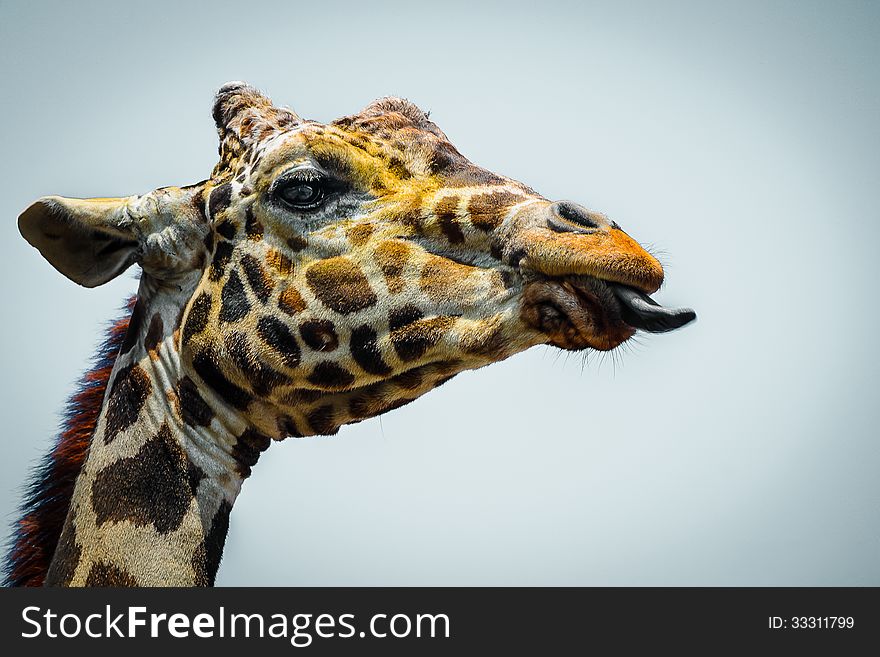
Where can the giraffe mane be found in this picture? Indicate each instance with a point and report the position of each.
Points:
(47, 498)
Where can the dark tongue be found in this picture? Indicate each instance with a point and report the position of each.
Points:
(642, 312)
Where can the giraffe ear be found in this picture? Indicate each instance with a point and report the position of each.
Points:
(244, 116)
(91, 241)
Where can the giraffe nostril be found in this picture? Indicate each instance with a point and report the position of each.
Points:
(575, 213)
(576, 219)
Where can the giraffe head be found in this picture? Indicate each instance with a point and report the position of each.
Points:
(335, 271)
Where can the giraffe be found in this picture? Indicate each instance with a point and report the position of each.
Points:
(322, 275)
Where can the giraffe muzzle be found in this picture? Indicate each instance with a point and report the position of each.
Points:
(587, 281)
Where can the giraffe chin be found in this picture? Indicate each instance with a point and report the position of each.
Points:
(576, 312)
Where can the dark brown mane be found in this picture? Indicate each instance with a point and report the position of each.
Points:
(48, 494)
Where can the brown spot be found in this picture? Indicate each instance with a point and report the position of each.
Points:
(364, 347)
(443, 157)
(205, 365)
(319, 334)
(297, 243)
(398, 168)
(247, 450)
(358, 235)
(215, 539)
(446, 210)
(279, 262)
(106, 574)
(135, 323)
(299, 396)
(128, 394)
(197, 319)
(496, 250)
(367, 403)
(222, 254)
(261, 377)
(441, 278)
(154, 333)
(487, 210)
(226, 229)
(194, 475)
(321, 420)
(413, 340)
(198, 202)
(287, 427)
(409, 380)
(291, 301)
(194, 410)
(410, 213)
(392, 256)
(358, 141)
(341, 285)
(151, 487)
(219, 199)
(400, 317)
(390, 405)
(234, 303)
(255, 440)
(261, 283)
(330, 376)
(277, 335)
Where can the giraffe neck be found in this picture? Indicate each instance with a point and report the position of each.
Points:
(166, 463)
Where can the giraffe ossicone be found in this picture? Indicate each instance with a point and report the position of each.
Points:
(322, 275)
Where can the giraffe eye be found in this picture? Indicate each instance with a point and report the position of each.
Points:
(302, 195)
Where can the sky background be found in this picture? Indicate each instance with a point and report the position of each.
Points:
(740, 140)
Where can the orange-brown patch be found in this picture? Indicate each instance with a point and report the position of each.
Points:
(392, 256)
(358, 235)
(279, 262)
(291, 301)
(340, 284)
(442, 278)
(446, 211)
(487, 210)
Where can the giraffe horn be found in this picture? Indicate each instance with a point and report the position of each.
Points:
(243, 117)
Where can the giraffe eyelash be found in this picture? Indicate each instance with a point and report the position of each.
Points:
(304, 189)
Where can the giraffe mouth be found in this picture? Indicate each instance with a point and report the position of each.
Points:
(579, 312)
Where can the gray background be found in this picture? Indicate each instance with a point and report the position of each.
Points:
(740, 140)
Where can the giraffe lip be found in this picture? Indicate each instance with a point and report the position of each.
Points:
(577, 312)
(641, 312)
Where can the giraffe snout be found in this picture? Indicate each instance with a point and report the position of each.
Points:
(587, 281)
(563, 238)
